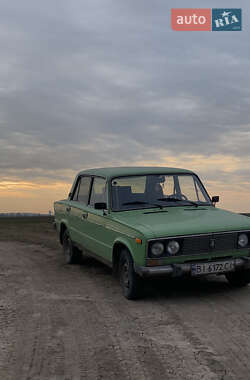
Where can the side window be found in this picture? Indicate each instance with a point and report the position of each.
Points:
(168, 185)
(98, 193)
(75, 194)
(82, 190)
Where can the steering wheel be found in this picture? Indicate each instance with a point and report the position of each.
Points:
(182, 197)
(171, 196)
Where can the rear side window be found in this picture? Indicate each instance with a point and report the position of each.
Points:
(82, 190)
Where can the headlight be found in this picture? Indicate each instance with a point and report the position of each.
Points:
(242, 240)
(173, 247)
(157, 248)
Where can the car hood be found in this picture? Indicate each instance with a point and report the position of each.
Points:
(174, 221)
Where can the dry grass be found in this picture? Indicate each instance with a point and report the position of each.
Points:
(34, 230)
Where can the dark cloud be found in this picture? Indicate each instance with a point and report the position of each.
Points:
(108, 82)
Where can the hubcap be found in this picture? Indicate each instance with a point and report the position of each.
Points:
(67, 248)
(125, 276)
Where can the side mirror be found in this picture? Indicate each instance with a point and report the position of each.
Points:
(100, 206)
(215, 199)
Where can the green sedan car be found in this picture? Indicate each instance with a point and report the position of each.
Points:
(148, 222)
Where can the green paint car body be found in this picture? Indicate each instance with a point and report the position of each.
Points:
(152, 221)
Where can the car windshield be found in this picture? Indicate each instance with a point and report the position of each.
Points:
(165, 190)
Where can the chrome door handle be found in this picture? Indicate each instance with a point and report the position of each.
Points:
(84, 215)
(68, 209)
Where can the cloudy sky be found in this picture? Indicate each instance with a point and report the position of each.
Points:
(96, 83)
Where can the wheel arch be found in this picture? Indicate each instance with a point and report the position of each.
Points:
(63, 228)
(118, 246)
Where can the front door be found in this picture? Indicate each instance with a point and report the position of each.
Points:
(98, 239)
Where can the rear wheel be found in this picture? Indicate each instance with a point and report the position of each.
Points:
(130, 282)
(72, 254)
(239, 278)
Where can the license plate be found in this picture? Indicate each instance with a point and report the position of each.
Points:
(213, 267)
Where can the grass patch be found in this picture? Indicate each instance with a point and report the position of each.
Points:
(32, 229)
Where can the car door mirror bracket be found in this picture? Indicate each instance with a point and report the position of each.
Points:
(215, 199)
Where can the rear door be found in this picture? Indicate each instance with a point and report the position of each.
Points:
(78, 212)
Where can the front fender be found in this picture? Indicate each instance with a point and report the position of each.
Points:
(136, 250)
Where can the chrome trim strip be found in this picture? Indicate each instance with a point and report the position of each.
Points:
(118, 231)
(154, 271)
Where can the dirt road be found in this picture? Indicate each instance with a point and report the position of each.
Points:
(71, 322)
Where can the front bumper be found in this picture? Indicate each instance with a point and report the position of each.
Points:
(178, 270)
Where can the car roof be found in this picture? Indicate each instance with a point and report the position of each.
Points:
(120, 171)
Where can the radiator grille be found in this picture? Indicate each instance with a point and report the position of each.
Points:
(214, 242)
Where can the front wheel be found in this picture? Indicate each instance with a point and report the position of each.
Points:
(130, 282)
(72, 254)
(238, 279)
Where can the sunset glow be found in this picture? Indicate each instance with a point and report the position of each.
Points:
(38, 196)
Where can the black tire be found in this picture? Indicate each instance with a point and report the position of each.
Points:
(130, 282)
(239, 278)
(72, 254)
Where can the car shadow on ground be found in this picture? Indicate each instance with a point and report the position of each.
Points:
(92, 265)
(202, 287)
(165, 288)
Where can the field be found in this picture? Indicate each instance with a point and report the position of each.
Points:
(36, 230)
(62, 322)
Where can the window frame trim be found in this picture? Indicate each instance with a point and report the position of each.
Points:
(77, 186)
(91, 187)
(92, 177)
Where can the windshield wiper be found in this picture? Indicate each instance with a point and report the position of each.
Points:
(141, 203)
(169, 199)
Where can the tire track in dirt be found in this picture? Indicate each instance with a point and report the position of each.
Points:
(91, 329)
(7, 328)
(71, 322)
(155, 357)
(216, 326)
(95, 350)
(160, 349)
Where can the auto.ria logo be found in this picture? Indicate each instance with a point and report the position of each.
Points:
(226, 19)
(206, 19)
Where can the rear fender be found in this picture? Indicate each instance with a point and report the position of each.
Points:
(62, 227)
